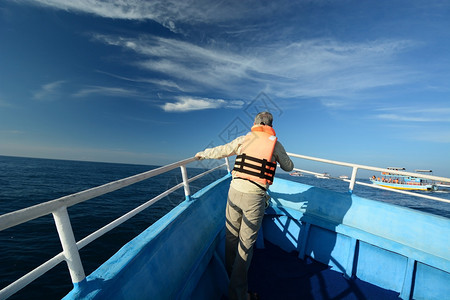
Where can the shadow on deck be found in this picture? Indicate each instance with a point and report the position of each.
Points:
(275, 274)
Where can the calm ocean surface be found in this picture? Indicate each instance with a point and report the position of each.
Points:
(28, 181)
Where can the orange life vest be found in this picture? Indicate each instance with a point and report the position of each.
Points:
(255, 161)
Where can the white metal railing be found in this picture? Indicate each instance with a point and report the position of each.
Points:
(58, 208)
(356, 167)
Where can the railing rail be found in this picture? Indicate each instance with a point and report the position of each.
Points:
(356, 167)
(58, 208)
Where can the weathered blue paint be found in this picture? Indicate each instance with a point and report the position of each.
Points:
(431, 283)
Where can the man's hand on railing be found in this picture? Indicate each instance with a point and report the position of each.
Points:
(199, 156)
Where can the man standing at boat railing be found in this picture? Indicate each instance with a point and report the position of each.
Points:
(257, 155)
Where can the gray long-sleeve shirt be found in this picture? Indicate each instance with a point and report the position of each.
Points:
(235, 148)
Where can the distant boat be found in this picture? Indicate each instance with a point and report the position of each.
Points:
(343, 177)
(296, 173)
(323, 176)
(402, 182)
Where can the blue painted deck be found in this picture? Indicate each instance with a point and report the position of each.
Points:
(277, 274)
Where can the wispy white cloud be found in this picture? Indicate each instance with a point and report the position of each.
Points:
(53, 90)
(164, 84)
(172, 14)
(403, 118)
(106, 91)
(320, 68)
(333, 70)
(433, 136)
(415, 114)
(185, 104)
(49, 91)
(133, 10)
(210, 67)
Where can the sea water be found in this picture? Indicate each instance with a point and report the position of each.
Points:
(29, 181)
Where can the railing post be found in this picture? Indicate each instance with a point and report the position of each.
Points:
(352, 180)
(69, 245)
(187, 191)
(228, 164)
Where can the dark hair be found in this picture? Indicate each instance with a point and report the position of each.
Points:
(264, 118)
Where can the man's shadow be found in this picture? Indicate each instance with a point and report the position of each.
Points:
(308, 218)
(322, 211)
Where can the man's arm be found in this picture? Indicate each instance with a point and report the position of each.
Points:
(282, 158)
(221, 151)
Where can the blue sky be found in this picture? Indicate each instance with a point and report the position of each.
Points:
(154, 82)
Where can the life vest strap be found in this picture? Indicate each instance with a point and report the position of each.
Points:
(264, 169)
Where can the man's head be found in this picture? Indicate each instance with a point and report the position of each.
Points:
(264, 118)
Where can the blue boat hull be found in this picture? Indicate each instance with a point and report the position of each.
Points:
(181, 256)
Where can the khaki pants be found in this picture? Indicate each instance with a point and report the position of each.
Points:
(244, 214)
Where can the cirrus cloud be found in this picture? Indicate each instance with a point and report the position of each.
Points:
(185, 104)
(105, 91)
(49, 91)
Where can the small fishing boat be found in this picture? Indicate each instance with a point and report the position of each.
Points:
(314, 243)
(403, 182)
